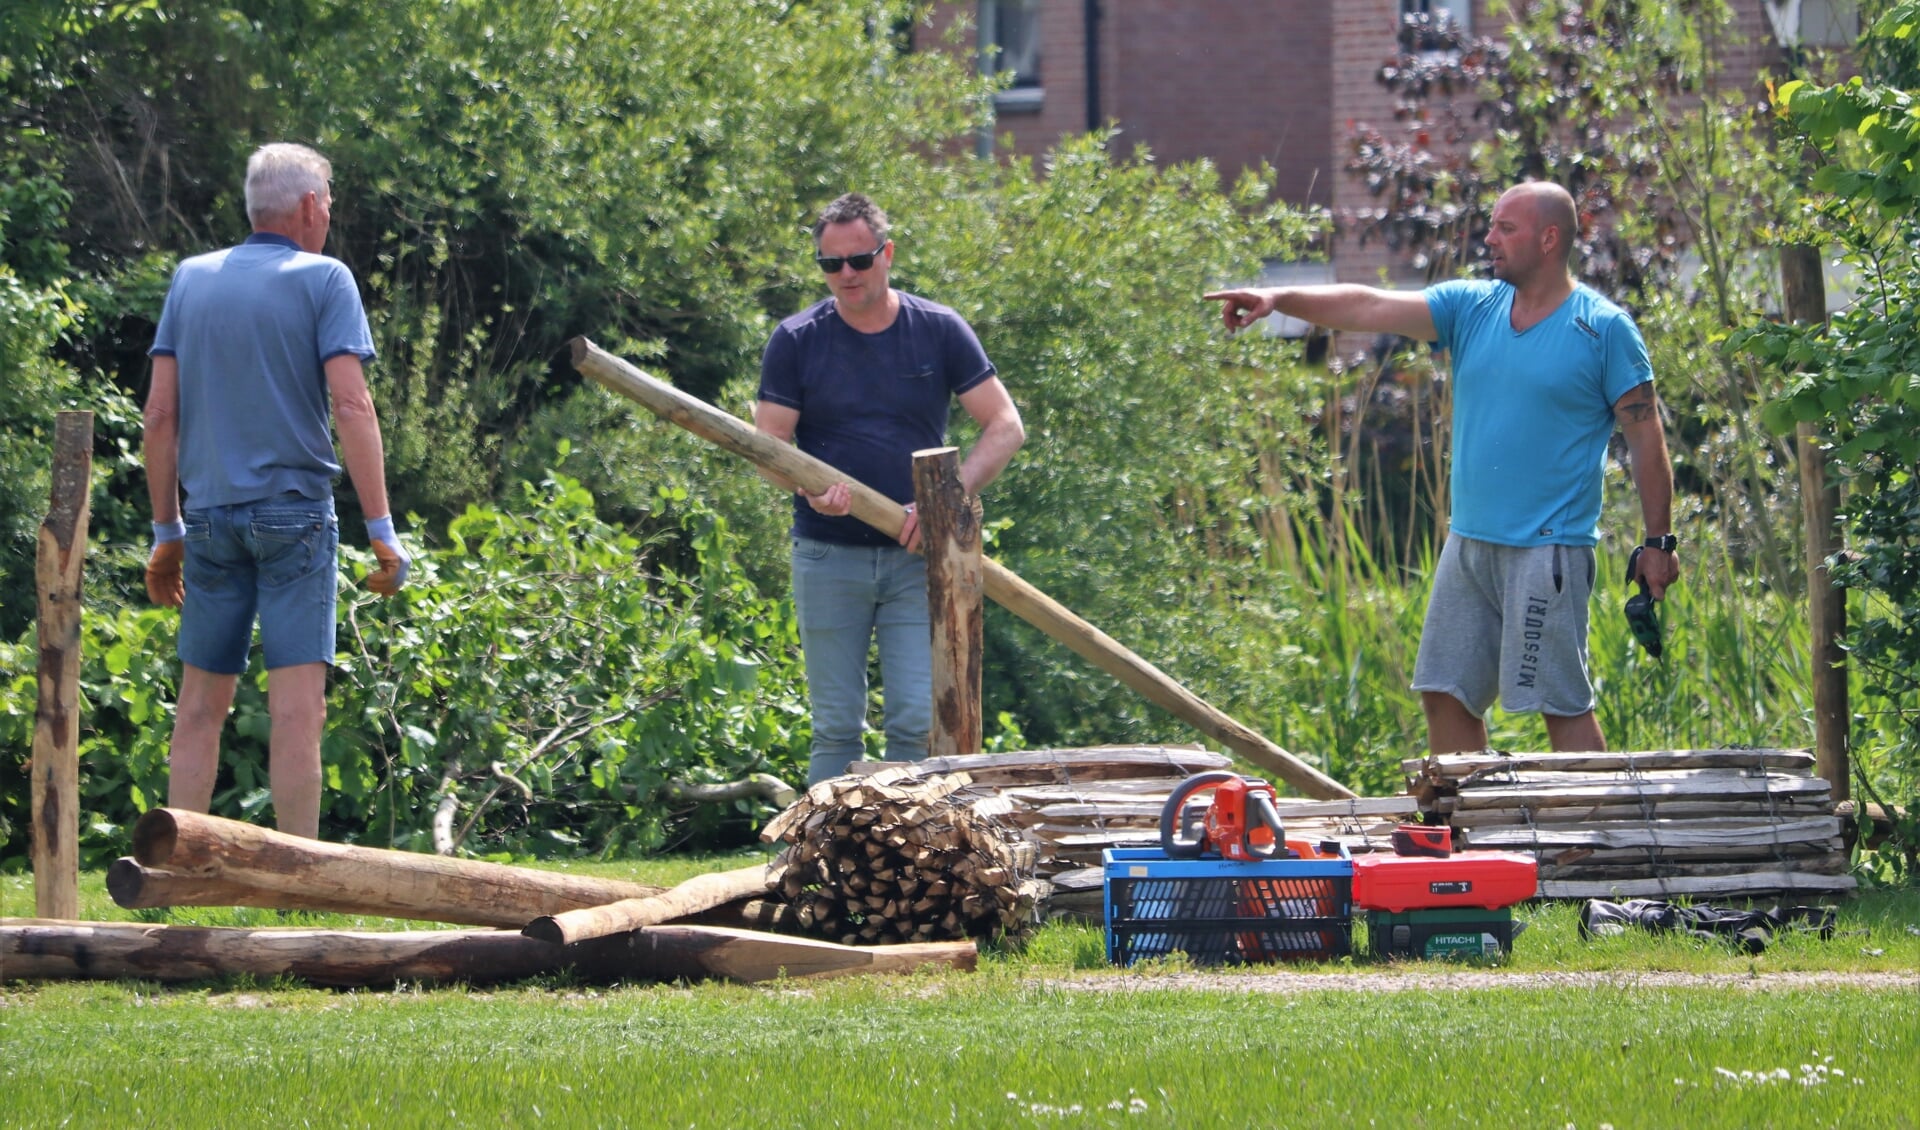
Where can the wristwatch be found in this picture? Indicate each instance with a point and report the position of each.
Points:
(1665, 542)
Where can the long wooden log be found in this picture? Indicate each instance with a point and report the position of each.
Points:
(1780, 789)
(1457, 765)
(1002, 584)
(43, 949)
(363, 880)
(1824, 856)
(1736, 832)
(1636, 812)
(57, 572)
(1172, 764)
(1723, 886)
(135, 887)
(690, 953)
(702, 892)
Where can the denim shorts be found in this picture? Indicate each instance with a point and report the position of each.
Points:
(277, 558)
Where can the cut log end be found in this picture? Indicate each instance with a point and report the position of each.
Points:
(154, 836)
(546, 929)
(124, 880)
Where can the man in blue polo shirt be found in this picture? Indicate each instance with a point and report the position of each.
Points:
(253, 343)
(1543, 368)
(862, 380)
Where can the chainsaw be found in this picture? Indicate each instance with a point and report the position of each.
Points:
(1240, 824)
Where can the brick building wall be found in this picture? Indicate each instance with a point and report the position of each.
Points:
(1286, 81)
(1238, 84)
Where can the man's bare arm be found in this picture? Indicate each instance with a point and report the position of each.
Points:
(1638, 413)
(1337, 306)
(1001, 434)
(160, 440)
(361, 447)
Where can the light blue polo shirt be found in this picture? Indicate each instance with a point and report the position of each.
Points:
(1533, 411)
(252, 328)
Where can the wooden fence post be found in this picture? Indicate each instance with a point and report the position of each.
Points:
(57, 570)
(956, 588)
(1805, 290)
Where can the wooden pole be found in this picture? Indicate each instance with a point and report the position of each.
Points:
(1002, 584)
(292, 872)
(1805, 290)
(58, 567)
(39, 949)
(950, 539)
(702, 892)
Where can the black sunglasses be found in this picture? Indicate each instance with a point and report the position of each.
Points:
(831, 264)
(1643, 616)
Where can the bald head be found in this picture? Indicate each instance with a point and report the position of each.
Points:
(1551, 207)
(1531, 236)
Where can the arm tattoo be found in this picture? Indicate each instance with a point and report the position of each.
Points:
(1637, 406)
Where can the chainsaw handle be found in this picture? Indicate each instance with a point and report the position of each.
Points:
(1264, 813)
(1172, 825)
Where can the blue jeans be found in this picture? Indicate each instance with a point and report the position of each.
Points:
(845, 596)
(277, 558)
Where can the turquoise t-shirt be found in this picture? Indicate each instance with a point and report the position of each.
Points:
(252, 328)
(1533, 411)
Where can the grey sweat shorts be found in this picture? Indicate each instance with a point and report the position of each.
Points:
(1510, 623)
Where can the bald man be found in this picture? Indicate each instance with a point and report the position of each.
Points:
(1543, 369)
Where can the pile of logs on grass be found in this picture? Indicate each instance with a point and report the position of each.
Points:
(564, 925)
(1729, 823)
(892, 856)
(1073, 804)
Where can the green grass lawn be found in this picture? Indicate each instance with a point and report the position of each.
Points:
(1040, 1037)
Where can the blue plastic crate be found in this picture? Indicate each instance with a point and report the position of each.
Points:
(1219, 911)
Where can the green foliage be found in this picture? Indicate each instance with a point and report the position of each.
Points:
(36, 311)
(554, 674)
(639, 171)
(1852, 379)
(544, 676)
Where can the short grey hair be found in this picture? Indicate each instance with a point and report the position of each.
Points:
(280, 175)
(845, 210)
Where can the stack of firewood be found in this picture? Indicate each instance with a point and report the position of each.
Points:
(894, 856)
(1692, 823)
(1073, 804)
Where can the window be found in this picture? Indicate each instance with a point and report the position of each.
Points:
(1815, 23)
(1459, 11)
(1010, 42)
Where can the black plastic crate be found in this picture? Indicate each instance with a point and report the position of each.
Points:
(1221, 912)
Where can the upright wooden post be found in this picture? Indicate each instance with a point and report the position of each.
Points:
(956, 592)
(1805, 291)
(56, 718)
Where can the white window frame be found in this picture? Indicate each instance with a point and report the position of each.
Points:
(1460, 10)
(1030, 94)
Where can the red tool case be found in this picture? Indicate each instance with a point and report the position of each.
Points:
(1486, 879)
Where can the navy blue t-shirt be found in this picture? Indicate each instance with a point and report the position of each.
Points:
(867, 402)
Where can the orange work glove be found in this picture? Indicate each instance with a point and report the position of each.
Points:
(394, 562)
(165, 586)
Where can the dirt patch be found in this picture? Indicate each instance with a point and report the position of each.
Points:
(1285, 984)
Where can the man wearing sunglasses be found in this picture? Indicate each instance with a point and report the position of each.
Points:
(1544, 368)
(861, 380)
